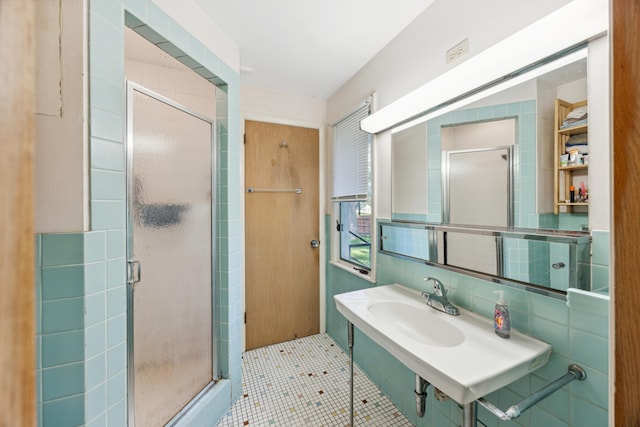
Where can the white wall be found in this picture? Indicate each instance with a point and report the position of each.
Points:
(598, 88)
(417, 54)
(149, 66)
(409, 179)
(61, 173)
(281, 106)
(188, 14)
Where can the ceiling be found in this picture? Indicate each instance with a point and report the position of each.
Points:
(309, 47)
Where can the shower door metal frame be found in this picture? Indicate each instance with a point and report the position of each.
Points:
(446, 200)
(446, 209)
(131, 88)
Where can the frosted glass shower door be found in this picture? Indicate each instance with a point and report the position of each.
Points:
(171, 353)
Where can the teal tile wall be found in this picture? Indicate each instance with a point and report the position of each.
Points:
(516, 259)
(539, 263)
(589, 344)
(413, 242)
(38, 321)
(409, 217)
(60, 328)
(564, 221)
(600, 255)
(81, 277)
(577, 330)
(559, 253)
(105, 330)
(82, 327)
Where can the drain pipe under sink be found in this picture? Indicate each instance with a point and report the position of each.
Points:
(421, 394)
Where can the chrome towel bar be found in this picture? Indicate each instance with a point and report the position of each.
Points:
(575, 373)
(274, 190)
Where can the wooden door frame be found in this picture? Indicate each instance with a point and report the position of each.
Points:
(17, 267)
(322, 176)
(624, 407)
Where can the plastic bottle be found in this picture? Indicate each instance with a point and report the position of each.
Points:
(501, 321)
(572, 194)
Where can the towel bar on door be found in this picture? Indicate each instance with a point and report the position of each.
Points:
(274, 190)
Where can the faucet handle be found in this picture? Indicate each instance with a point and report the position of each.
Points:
(438, 287)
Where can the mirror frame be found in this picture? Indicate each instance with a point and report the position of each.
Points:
(435, 233)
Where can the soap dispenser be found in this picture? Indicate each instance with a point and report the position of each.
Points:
(501, 321)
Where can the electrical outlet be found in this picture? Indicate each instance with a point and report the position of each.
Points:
(457, 51)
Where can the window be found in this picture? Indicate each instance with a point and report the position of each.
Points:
(355, 233)
(352, 188)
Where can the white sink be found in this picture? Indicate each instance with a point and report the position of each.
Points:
(410, 321)
(460, 355)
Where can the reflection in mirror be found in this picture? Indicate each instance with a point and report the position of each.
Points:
(545, 259)
(407, 240)
(529, 107)
(477, 187)
(495, 163)
(409, 190)
(475, 252)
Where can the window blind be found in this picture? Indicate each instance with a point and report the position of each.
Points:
(350, 172)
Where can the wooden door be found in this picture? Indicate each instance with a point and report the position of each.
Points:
(282, 268)
(17, 289)
(626, 211)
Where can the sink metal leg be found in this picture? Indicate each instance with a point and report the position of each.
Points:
(470, 414)
(350, 341)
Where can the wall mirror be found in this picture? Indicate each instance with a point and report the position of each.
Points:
(493, 158)
(546, 261)
(498, 164)
(558, 164)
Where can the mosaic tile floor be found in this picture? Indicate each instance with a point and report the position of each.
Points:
(305, 382)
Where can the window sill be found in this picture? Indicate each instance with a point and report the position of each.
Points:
(349, 268)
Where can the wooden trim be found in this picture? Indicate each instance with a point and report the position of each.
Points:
(17, 300)
(626, 210)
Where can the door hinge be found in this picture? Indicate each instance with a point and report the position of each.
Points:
(245, 317)
(244, 137)
(338, 226)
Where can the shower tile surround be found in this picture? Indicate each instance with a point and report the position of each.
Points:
(81, 277)
(577, 329)
(524, 187)
(305, 382)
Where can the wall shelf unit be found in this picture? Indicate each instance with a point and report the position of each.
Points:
(570, 174)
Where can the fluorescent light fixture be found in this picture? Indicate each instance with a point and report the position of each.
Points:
(588, 19)
(492, 90)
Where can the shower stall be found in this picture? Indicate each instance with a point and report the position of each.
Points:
(170, 250)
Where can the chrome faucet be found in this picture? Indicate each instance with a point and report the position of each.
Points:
(438, 299)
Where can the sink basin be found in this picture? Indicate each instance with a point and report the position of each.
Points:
(460, 355)
(418, 324)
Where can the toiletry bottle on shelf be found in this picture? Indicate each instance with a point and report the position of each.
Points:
(572, 194)
(501, 321)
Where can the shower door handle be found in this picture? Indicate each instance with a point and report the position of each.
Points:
(134, 272)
